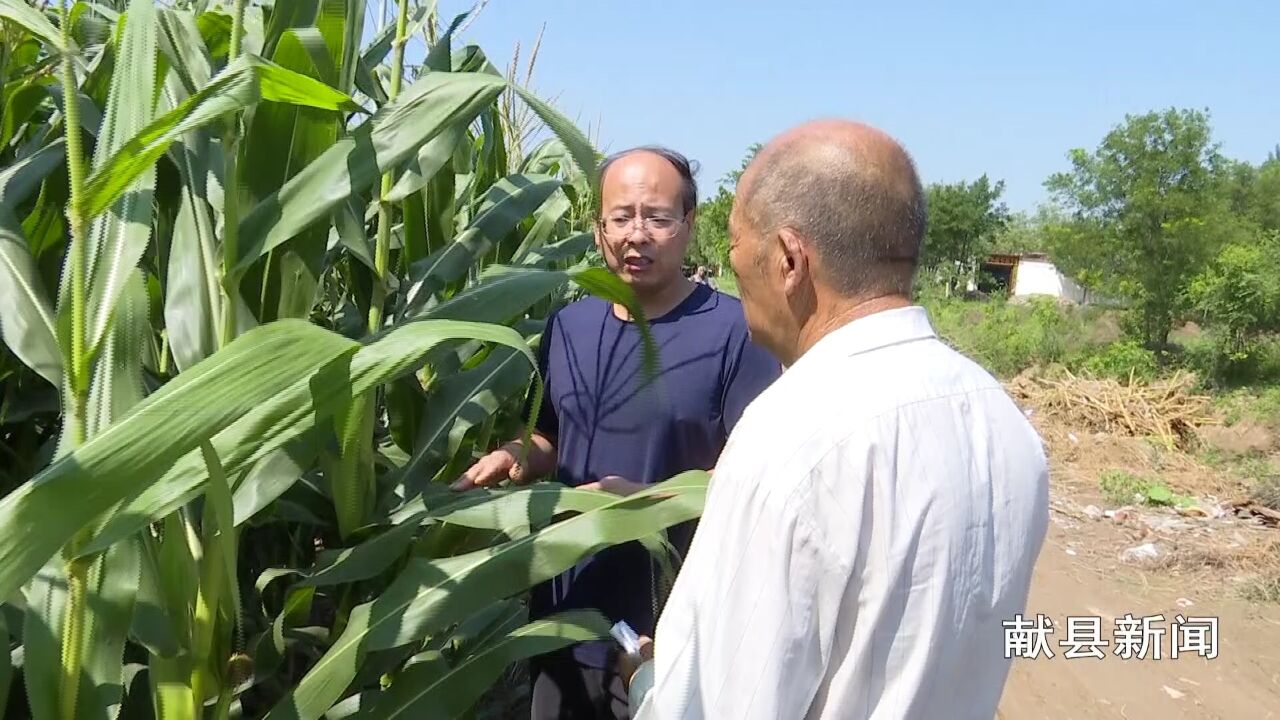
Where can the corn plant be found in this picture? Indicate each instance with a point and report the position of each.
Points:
(262, 289)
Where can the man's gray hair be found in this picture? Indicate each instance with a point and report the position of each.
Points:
(682, 164)
(867, 221)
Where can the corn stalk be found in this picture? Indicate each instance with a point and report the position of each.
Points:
(77, 569)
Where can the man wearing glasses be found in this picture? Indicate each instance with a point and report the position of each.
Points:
(600, 426)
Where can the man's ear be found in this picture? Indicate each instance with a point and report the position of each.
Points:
(794, 259)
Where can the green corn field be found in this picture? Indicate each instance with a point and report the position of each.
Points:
(264, 290)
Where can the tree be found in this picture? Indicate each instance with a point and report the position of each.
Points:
(710, 245)
(1264, 200)
(964, 218)
(1238, 296)
(1152, 194)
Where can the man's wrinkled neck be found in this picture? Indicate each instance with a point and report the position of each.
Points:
(834, 312)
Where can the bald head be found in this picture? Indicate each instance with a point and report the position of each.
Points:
(850, 190)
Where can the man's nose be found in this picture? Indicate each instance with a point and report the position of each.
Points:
(638, 233)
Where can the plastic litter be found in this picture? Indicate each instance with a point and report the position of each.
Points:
(626, 637)
(1145, 551)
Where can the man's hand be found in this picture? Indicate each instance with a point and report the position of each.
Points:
(614, 484)
(499, 465)
(627, 667)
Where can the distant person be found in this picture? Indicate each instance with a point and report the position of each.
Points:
(600, 427)
(878, 510)
(702, 276)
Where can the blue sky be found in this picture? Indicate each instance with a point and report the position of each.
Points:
(970, 86)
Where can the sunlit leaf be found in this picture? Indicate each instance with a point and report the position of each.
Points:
(425, 109)
(33, 20)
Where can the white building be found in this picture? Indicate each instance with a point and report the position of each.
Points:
(1026, 275)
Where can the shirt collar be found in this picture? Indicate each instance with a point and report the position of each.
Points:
(875, 331)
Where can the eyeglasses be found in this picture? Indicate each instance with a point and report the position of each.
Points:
(658, 227)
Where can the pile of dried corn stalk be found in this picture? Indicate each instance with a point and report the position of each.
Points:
(1166, 409)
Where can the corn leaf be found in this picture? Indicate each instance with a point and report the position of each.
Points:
(24, 177)
(350, 467)
(113, 585)
(545, 224)
(18, 109)
(503, 293)
(431, 594)
(419, 693)
(282, 140)
(158, 623)
(425, 109)
(241, 84)
(579, 147)
(184, 48)
(271, 476)
(33, 20)
(219, 536)
(293, 408)
(286, 15)
(283, 86)
(503, 510)
(46, 598)
(120, 232)
(6, 668)
(170, 688)
(350, 229)
(505, 204)
(117, 376)
(458, 403)
(353, 33)
(42, 514)
(193, 300)
(26, 318)
(568, 250)
(430, 159)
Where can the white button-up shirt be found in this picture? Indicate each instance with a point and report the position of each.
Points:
(871, 524)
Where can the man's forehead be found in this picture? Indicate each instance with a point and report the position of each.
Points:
(644, 183)
(642, 166)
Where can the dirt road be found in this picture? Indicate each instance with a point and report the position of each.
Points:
(1242, 683)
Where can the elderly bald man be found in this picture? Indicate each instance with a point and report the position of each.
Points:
(877, 511)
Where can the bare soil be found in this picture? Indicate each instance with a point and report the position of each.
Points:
(1243, 682)
(1243, 438)
(1104, 561)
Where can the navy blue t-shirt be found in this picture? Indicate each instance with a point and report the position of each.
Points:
(604, 420)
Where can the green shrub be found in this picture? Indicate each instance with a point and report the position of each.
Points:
(1120, 360)
(1008, 337)
(1238, 296)
(1207, 357)
(1260, 405)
